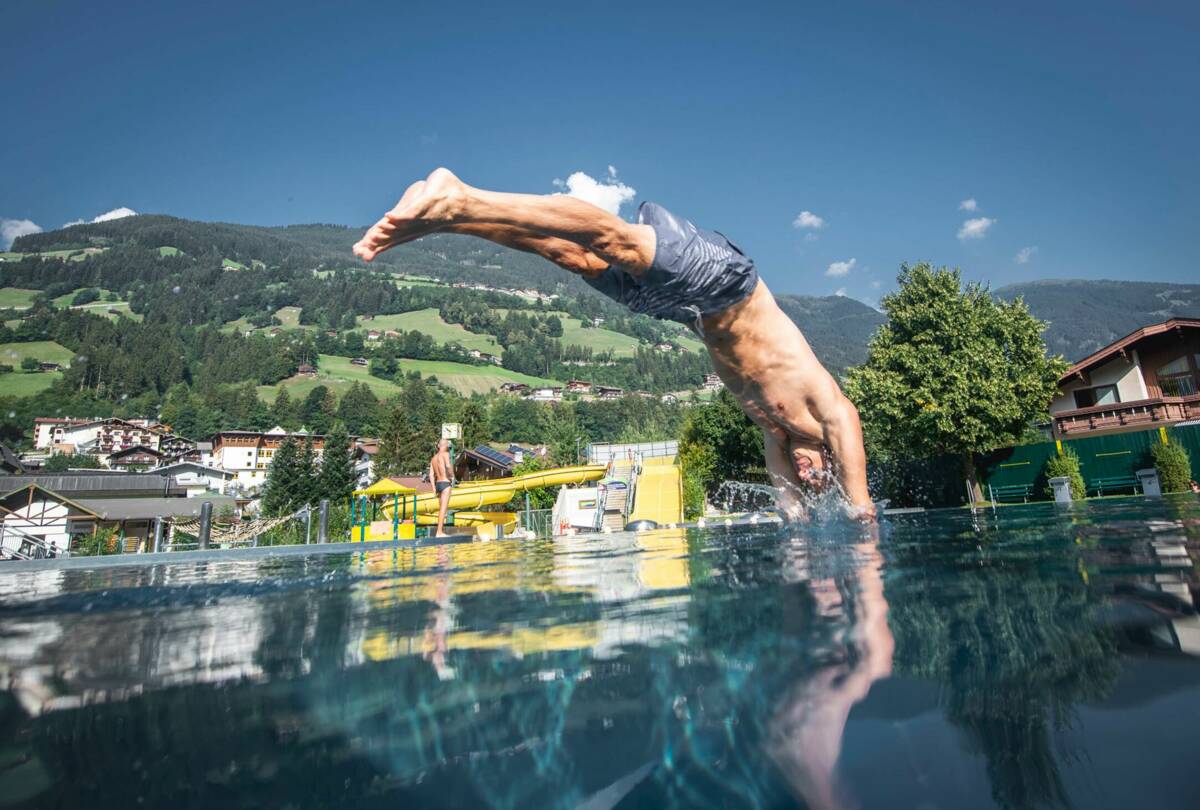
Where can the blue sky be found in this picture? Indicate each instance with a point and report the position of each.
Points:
(1073, 126)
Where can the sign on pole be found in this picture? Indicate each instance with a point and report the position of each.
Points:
(451, 430)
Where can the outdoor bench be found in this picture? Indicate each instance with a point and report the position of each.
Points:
(1115, 483)
(1011, 492)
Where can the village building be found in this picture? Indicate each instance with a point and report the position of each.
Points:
(513, 388)
(359, 361)
(306, 370)
(248, 453)
(545, 394)
(196, 479)
(137, 457)
(1149, 378)
(609, 392)
(578, 387)
(712, 383)
(103, 437)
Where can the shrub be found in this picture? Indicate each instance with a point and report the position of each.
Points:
(29, 364)
(1173, 465)
(1066, 465)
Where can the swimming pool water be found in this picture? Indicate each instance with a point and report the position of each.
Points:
(1028, 657)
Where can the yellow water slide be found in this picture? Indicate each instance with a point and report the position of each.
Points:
(659, 494)
(466, 501)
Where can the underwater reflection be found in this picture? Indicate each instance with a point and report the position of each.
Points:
(954, 660)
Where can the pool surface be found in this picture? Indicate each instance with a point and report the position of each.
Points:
(1028, 657)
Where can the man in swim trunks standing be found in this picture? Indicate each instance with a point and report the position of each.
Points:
(666, 267)
(441, 475)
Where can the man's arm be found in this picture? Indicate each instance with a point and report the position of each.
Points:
(843, 437)
(783, 477)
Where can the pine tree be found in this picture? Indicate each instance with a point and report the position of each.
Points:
(281, 479)
(305, 489)
(283, 412)
(336, 480)
(359, 410)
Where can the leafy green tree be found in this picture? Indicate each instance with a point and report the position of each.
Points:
(60, 462)
(954, 371)
(29, 364)
(719, 443)
(1067, 465)
(560, 432)
(473, 418)
(1173, 465)
(336, 479)
(282, 479)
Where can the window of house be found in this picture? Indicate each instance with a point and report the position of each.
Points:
(1100, 395)
(1176, 379)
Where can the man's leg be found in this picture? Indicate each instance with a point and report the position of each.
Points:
(445, 200)
(443, 505)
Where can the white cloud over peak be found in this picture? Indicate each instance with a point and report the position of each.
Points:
(975, 228)
(10, 229)
(839, 269)
(1025, 254)
(807, 219)
(609, 194)
(969, 204)
(116, 213)
(840, 292)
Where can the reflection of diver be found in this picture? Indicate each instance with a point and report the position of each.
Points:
(441, 620)
(805, 736)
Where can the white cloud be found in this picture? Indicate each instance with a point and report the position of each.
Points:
(807, 219)
(840, 292)
(811, 237)
(969, 204)
(116, 213)
(839, 269)
(1025, 254)
(975, 228)
(10, 229)
(609, 194)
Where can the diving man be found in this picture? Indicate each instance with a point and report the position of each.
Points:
(666, 267)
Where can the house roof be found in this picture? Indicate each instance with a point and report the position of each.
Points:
(53, 495)
(137, 448)
(169, 469)
(144, 508)
(1117, 347)
(9, 460)
(96, 483)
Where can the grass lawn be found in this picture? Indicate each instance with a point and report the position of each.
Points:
(230, 264)
(21, 384)
(430, 322)
(16, 298)
(405, 280)
(45, 350)
(167, 250)
(100, 307)
(338, 374)
(598, 339)
(289, 316)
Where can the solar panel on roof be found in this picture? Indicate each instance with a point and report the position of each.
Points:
(494, 456)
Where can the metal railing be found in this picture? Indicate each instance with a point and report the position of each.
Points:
(538, 521)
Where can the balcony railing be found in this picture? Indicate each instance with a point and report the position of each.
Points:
(1163, 410)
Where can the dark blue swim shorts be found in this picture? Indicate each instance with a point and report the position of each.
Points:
(695, 272)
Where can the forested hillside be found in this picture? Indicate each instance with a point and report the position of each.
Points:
(1086, 315)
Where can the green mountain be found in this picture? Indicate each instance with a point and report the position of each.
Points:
(836, 327)
(1086, 315)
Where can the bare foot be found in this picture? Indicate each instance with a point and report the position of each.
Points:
(383, 234)
(440, 200)
(426, 206)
